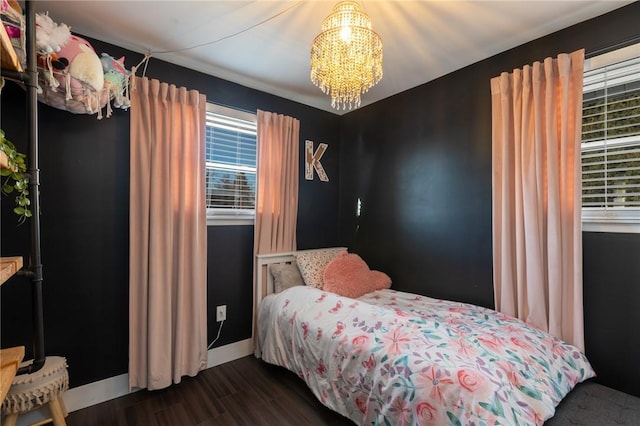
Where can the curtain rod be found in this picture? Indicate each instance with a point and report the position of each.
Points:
(624, 43)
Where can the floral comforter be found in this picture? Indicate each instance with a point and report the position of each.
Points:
(394, 358)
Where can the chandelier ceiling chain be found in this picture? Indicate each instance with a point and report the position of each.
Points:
(346, 57)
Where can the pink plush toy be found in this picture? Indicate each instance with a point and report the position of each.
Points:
(79, 71)
(84, 67)
(348, 275)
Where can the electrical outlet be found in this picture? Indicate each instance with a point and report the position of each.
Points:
(221, 313)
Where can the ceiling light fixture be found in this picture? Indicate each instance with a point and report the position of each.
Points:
(346, 57)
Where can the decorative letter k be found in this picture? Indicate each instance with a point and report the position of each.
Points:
(313, 161)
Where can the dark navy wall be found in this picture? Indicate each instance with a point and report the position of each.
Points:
(420, 162)
(85, 224)
(611, 299)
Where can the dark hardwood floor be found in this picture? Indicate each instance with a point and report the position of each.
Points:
(246, 391)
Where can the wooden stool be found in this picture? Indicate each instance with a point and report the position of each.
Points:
(32, 391)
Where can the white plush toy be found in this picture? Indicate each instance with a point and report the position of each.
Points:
(50, 37)
(86, 67)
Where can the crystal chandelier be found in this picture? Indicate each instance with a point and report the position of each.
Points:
(346, 57)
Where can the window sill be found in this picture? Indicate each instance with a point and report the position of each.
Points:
(229, 220)
(626, 228)
(627, 221)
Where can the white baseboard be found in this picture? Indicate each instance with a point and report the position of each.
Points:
(230, 352)
(114, 387)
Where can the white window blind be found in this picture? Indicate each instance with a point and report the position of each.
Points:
(611, 141)
(230, 163)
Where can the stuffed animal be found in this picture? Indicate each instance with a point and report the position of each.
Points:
(78, 70)
(10, 7)
(84, 66)
(116, 80)
(50, 37)
(14, 21)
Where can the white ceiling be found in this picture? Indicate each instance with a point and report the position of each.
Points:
(265, 44)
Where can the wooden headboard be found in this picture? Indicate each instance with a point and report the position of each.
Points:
(264, 280)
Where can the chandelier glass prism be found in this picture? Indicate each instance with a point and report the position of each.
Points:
(346, 57)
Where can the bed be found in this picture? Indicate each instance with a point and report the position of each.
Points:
(388, 357)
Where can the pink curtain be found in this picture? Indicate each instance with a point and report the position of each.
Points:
(277, 192)
(167, 242)
(537, 233)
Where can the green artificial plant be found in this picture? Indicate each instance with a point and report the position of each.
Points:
(15, 179)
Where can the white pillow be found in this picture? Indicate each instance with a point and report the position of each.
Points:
(312, 263)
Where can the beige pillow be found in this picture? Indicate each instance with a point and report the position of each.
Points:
(312, 263)
(285, 275)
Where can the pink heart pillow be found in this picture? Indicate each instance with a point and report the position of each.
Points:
(348, 275)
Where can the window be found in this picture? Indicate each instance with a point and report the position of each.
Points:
(230, 166)
(611, 142)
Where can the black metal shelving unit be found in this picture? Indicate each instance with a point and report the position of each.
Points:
(29, 78)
